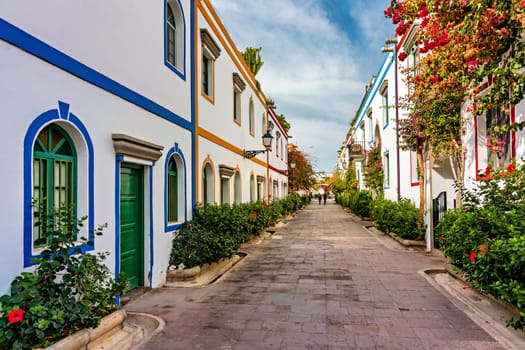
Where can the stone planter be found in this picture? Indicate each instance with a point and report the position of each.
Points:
(200, 275)
(117, 331)
(88, 338)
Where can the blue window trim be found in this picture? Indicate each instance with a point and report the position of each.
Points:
(60, 114)
(174, 150)
(182, 74)
(40, 49)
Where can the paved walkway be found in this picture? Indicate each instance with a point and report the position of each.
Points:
(320, 282)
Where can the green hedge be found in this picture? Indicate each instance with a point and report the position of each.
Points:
(216, 232)
(486, 236)
(399, 218)
(355, 200)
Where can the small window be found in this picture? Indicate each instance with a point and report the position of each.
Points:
(264, 124)
(238, 88)
(277, 143)
(207, 184)
(252, 188)
(386, 169)
(384, 103)
(493, 149)
(237, 188)
(414, 171)
(174, 40)
(251, 117)
(173, 191)
(54, 175)
(210, 53)
(225, 190)
(370, 125)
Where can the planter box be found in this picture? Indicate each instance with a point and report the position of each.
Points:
(88, 338)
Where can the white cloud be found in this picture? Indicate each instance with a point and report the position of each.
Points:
(312, 69)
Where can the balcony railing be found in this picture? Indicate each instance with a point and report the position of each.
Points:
(356, 150)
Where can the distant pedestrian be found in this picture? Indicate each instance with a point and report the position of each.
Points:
(321, 194)
(319, 197)
(324, 198)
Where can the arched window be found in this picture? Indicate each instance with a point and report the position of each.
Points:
(237, 188)
(207, 184)
(174, 41)
(173, 191)
(252, 188)
(171, 38)
(251, 116)
(54, 175)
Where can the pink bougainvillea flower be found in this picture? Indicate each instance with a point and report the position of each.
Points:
(434, 79)
(472, 257)
(15, 315)
(521, 4)
(483, 248)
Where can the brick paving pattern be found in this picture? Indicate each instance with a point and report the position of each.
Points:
(320, 282)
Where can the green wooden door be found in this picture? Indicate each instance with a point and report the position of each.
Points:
(132, 224)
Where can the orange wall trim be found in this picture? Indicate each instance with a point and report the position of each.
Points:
(223, 143)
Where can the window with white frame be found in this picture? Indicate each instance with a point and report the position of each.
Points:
(207, 184)
(277, 143)
(237, 188)
(384, 102)
(252, 188)
(174, 41)
(251, 118)
(370, 125)
(210, 53)
(238, 88)
(494, 149)
(414, 171)
(386, 169)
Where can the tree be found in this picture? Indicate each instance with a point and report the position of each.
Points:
(253, 59)
(302, 176)
(465, 43)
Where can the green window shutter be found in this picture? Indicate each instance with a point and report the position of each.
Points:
(172, 192)
(54, 175)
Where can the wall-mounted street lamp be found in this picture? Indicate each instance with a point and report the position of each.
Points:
(267, 143)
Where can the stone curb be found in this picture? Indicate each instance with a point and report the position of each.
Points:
(484, 310)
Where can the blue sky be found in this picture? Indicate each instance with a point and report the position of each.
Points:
(318, 56)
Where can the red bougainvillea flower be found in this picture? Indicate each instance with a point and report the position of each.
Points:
(15, 315)
(522, 4)
(511, 167)
(487, 170)
(441, 238)
(434, 79)
(402, 56)
(472, 257)
(483, 248)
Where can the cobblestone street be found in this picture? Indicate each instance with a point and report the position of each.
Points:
(320, 282)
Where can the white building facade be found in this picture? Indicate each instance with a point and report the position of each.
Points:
(99, 116)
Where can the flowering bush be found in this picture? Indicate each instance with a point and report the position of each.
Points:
(486, 236)
(374, 173)
(68, 291)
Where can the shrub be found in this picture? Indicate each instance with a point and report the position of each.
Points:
(486, 236)
(68, 291)
(216, 232)
(399, 218)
